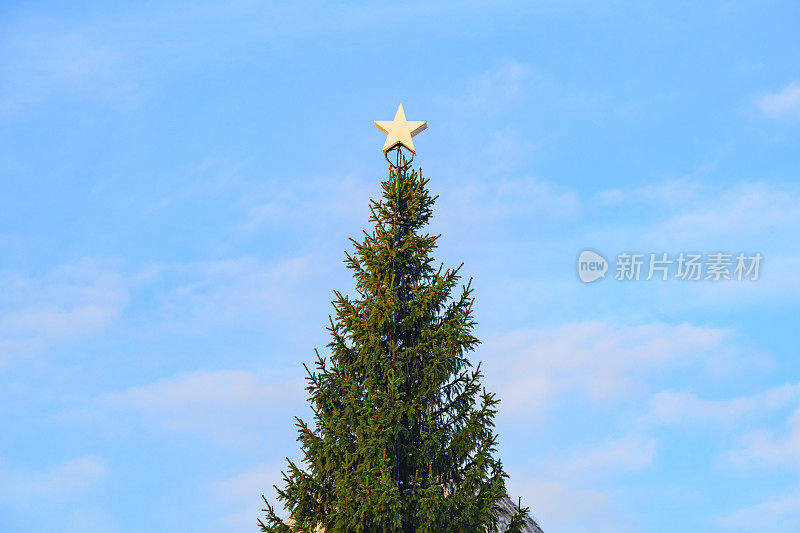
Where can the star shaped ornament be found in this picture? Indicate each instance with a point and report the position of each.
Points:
(400, 131)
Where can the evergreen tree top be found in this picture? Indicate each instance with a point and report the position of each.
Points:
(403, 434)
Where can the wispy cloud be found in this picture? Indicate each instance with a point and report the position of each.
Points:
(507, 200)
(70, 489)
(45, 59)
(68, 302)
(694, 210)
(230, 406)
(769, 447)
(678, 407)
(628, 453)
(308, 203)
(215, 292)
(781, 105)
(607, 362)
(670, 194)
(560, 506)
(64, 480)
(778, 515)
(242, 493)
(495, 88)
(747, 211)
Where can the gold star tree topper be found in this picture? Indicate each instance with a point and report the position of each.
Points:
(400, 131)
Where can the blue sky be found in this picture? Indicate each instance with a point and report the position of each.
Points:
(180, 181)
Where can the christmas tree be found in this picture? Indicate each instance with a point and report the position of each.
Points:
(403, 437)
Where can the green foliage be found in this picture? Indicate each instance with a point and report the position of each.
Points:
(403, 436)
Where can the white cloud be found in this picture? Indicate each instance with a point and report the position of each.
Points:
(68, 490)
(85, 298)
(69, 302)
(608, 362)
(681, 407)
(241, 495)
(195, 296)
(563, 507)
(743, 211)
(766, 447)
(679, 215)
(50, 60)
(755, 447)
(673, 193)
(61, 481)
(232, 406)
(690, 214)
(782, 105)
(495, 88)
(54, 321)
(303, 203)
(503, 152)
(489, 203)
(628, 453)
(778, 515)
